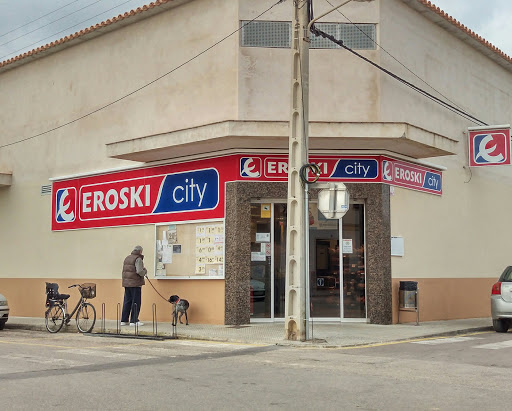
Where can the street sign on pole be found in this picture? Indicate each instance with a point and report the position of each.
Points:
(333, 202)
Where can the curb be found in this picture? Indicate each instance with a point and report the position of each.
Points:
(320, 343)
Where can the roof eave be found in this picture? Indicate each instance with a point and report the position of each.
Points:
(115, 23)
(442, 19)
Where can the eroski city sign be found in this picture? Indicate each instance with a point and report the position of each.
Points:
(195, 190)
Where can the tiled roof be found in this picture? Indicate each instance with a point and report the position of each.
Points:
(429, 5)
(462, 27)
(86, 31)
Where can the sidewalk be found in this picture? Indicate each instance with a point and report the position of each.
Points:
(320, 334)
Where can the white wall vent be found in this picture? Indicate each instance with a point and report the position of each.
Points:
(266, 34)
(277, 34)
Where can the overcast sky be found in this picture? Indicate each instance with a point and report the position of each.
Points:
(27, 24)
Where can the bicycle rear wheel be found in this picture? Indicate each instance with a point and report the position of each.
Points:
(86, 318)
(54, 318)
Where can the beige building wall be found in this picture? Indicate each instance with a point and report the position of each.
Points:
(455, 245)
(342, 88)
(467, 77)
(464, 232)
(81, 79)
(66, 85)
(460, 237)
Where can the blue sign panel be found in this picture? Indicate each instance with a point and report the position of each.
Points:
(432, 181)
(66, 205)
(188, 191)
(356, 168)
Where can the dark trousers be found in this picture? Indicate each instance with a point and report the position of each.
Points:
(131, 304)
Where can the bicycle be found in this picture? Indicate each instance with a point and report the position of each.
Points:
(56, 314)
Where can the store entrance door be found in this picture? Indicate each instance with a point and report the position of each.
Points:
(336, 268)
(337, 287)
(268, 260)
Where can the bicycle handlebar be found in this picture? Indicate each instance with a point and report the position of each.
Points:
(74, 285)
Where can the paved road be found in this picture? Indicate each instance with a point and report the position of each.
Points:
(72, 371)
(485, 349)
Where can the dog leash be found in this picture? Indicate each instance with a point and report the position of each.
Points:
(156, 289)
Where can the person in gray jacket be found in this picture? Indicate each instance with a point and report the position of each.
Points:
(133, 280)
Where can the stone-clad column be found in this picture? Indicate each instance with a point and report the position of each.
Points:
(377, 250)
(238, 244)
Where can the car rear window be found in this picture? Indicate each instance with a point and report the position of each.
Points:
(507, 275)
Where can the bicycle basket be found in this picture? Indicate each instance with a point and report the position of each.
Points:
(88, 290)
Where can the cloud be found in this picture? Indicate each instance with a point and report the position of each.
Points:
(496, 30)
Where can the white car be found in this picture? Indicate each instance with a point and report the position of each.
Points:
(501, 302)
(4, 311)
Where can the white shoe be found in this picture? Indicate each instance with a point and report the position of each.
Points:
(138, 324)
(123, 323)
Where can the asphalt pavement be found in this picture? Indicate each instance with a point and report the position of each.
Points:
(320, 333)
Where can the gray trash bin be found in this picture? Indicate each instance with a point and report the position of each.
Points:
(407, 294)
(408, 298)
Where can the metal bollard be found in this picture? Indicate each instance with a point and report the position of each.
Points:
(136, 325)
(103, 329)
(118, 319)
(155, 323)
(174, 322)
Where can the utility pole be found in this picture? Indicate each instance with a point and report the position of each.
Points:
(296, 233)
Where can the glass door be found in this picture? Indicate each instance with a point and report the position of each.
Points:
(324, 266)
(261, 260)
(337, 286)
(279, 258)
(268, 260)
(354, 274)
(337, 280)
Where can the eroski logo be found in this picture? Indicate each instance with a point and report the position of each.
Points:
(65, 205)
(250, 167)
(387, 170)
(490, 148)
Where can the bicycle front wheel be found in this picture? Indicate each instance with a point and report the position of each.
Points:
(86, 318)
(54, 318)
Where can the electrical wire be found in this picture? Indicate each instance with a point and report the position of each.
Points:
(146, 85)
(450, 107)
(314, 168)
(66, 29)
(39, 18)
(394, 58)
(51, 22)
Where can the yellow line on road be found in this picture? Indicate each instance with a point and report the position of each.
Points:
(407, 341)
(382, 344)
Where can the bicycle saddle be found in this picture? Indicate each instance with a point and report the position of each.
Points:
(60, 297)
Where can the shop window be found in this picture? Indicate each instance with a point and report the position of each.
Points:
(190, 250)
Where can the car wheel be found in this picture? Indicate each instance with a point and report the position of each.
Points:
(2, 325)
(500, 326)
